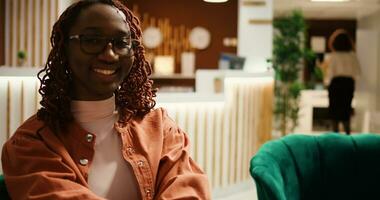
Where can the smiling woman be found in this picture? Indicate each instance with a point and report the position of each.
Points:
(99, 64)
(96, 134)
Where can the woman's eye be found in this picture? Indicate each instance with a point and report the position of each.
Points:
(122, 43)
(91, 40)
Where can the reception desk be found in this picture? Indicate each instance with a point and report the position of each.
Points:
(309, 101)
(225, 129)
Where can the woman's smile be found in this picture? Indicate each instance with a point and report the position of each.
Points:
(104, 71)
(106, 75)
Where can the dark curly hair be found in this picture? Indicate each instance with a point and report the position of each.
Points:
(342, 42)
(134, 96)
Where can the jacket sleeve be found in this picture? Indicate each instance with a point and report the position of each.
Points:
(179, 177)
(32, 170)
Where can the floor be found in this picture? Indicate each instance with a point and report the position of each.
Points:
(243, 191)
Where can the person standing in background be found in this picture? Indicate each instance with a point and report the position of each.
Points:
(342, 71)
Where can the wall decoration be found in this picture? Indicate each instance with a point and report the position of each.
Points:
(164, 65)
(254, 3)
(188, 63)
(260, 21)
(152, 37)
(199, 38)
(230, 42)
(318, 44)
(21, 56)
(173, 41)
(175, 19)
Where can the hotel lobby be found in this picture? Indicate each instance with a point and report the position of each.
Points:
(214, 65)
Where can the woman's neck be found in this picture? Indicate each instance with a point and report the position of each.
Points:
(90, 111)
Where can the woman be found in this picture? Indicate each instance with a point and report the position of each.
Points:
(96, 135)
(343, 69)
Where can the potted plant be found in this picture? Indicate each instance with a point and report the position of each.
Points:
(289, 52)
(318, 75)
(21, 56)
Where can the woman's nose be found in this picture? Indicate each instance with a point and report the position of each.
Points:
(108, 54)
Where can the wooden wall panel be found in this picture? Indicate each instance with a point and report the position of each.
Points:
(28, 26)
(2, 31)
(326, 27)
(219, 18)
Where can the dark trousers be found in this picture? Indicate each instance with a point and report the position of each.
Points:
(341, 93)
(346, 126)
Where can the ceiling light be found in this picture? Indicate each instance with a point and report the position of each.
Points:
(215, 1)
(330, 0)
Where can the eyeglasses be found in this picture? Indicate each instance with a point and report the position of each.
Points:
(93, 44)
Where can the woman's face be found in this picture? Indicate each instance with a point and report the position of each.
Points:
(98, 72)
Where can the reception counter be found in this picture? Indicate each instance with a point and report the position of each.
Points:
(225, 129)
(311, 100)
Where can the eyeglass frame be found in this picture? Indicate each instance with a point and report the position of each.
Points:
(108, 40)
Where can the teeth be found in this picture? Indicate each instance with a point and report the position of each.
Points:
(104, 71)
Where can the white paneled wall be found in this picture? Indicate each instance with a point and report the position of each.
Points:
(224, 134)
(19, 100)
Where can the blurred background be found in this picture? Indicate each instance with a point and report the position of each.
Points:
(215, 64)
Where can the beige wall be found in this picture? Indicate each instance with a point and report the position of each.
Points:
(255, 32)
(372, 23)
(368, 49)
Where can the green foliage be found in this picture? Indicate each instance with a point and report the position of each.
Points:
(21, 54)
(295, 89)
(318, 73)
(289, 52)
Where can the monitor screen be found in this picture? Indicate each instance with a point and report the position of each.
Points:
(231, 61)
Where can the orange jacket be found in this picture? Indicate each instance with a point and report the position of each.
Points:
(39, 164)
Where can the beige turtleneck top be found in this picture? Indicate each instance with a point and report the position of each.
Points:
(110, 176)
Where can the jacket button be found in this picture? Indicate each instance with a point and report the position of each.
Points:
(89, 137)
(83, 161)
(140, 163)
(130, 150)
(148, 192)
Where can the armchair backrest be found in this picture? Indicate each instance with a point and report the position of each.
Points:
(330, 166)
(3, 189)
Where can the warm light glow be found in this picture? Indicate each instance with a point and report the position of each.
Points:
(215, 1)
(330, 0)
(164, 65)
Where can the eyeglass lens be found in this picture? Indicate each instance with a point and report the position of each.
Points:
(96, 44)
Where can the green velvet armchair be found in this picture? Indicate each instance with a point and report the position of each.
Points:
(3, 189)
(329, 166)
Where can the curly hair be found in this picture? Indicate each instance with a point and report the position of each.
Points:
(134, 96)
(341, 40)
